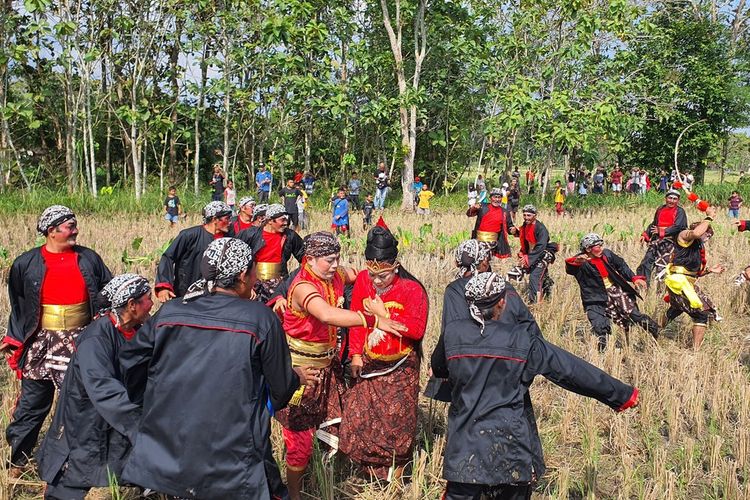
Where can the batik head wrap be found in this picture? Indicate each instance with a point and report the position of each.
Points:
(215, 210)
(483, 291)
(469, 255)
(118, 292)
(52, 217)
(672, 192)
(260, 210)
(590, 240)
(275, 210)
(222, 262)
(496, 192)
(529, 209)
(321, 244)
(245, 200)
(381, 251)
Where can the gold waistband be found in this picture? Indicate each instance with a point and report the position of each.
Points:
(268, 270)
(607, 282)
(680, 270)
(486, 236)
(313, 354)
(65, 317)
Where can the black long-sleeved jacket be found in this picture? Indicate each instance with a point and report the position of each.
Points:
(25, 288)
(293, 245)
(533, 247)
(680, 223)
(180, 263)
(503, 248)
(94, 421)
(591, 283)
(205, 371)
(492, 434)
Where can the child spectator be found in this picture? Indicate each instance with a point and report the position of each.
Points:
(302, 206)
(230, 196)
(583, 185)
(416, 189)
(340, 223)
(172, 206)
(504, 201)
(367, 209)
(559, 198)
(735, 202)
(473, 195)
(354, 186)
(423, 207)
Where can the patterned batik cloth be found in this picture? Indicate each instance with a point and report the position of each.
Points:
(619, 307)
(379, 427)
(663, 250)
(49, 355)
(681, 303)
(266, 288)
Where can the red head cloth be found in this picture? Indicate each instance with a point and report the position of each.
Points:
(381, 223)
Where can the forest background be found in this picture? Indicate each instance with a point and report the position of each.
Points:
(137, 95)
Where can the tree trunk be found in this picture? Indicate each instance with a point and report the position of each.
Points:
(197, 122)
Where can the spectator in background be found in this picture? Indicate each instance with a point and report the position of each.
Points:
(616, 180)
(515, 175)
(571, 182)
(289, 195)
(472, 195)
(424, 196)
(309, 182)
(302, 207)
(482, 194)
(645, 182)
(735, 203)
(297, 177)
(598, 181)
(583, 184)
(416, 189)
(514, 197)
(340, 204)
(230, 196)
(664, 181)
(217, 181)
(688, 182)
(504, 201)
(367, 209)
(172, 206)
(481, 185)
(381, 186)
(263, 180)
(354, 186)
(559, 198)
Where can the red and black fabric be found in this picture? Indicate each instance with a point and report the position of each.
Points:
(493, 220)
(744, 225)
(534, 242)
(590, 277)
(179, 266)
(210, 376)
(669, 221)
(292, 246)
(491, 407)
(237, 226)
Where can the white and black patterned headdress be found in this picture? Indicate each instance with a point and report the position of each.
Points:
(245, 200)
(260, 210)
(275, 210)
(222, 262)
(120, 290)
(469, 255)
(483, 291)
(496, 192)
(52, 217)
(214, 210)
(528, 209)
(590, 240)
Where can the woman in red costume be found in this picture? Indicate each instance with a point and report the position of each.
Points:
(310, 320)
(380, 412)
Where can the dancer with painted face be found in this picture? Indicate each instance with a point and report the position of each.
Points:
(180, 264)
(669, 220)
(607, 292)
(52, 290)
(535, 255)
(273, 245)
(688, 264)
(311, 318)
(493, 446)
(493, 224)
(95, 421)
(379, 427)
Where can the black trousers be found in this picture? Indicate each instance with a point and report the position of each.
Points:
(467, 491)
(56, 490)
(602, 324)
(262, 196)
(646, 267)
(32, 407)
(354, 198)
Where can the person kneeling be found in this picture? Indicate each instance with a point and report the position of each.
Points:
(95, 422)
(491, 363)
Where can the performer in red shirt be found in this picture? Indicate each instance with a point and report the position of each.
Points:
(743, 225)
(379, 426)
(493, 224)
(669, 220)
(535, 255)
(310, 320)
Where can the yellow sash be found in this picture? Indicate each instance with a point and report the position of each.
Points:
(67, 317)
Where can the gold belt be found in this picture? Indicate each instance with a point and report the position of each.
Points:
(67, 317)
(313, 354)
(680, 270)
(607, 283)
(268, 270)
(486, 236)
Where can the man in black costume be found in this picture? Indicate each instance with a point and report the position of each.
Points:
(669, 220)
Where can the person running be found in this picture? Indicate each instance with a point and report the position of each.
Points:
(244, 219)
(559, 199)
(52, 290)
(604, 279)
(180, 263)
(340, 220)
(490, 364)
(385, 367)
(535, 255)
(688, 263)
(208, 371)
(95, 422)
(289, 196)
(310, 321)
(273, 245)
(263, 181)
(493, 223)
(172, 206)
(669, 220)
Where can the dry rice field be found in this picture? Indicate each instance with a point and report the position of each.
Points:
(689, 438)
